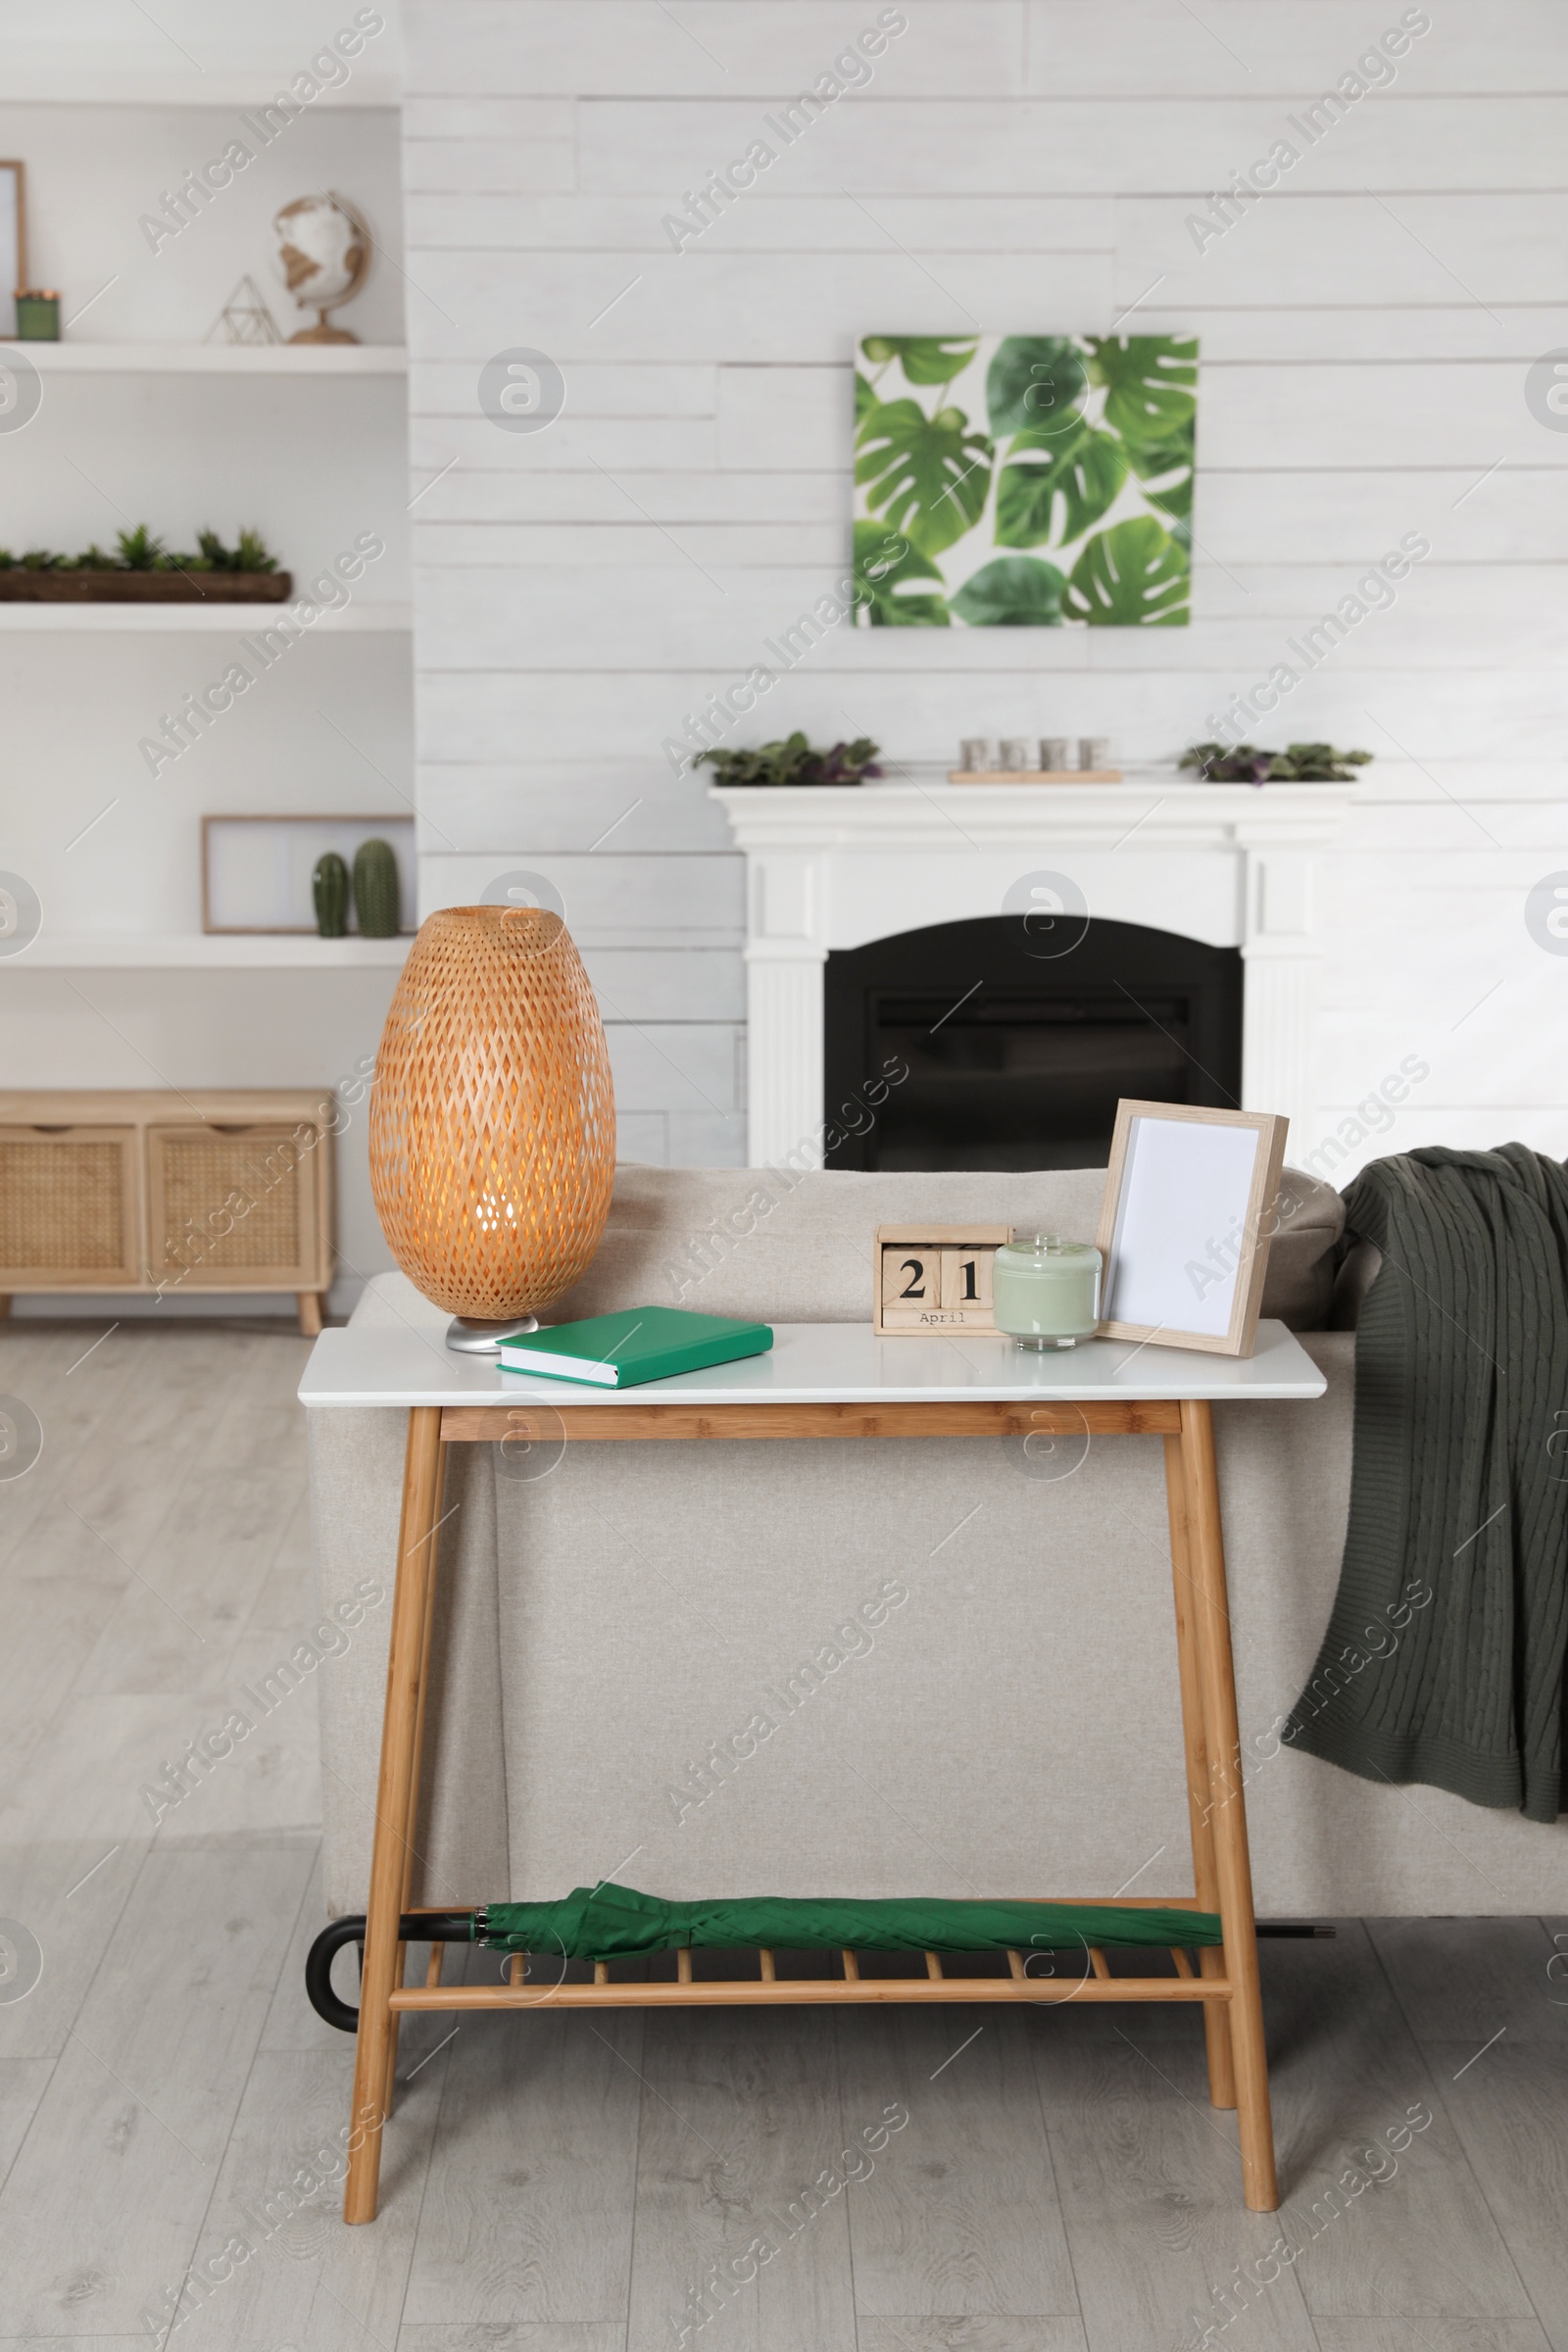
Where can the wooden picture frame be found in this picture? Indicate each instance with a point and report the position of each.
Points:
(287, 891)
(1185, 1224)
(13, 229)
(949, 1289)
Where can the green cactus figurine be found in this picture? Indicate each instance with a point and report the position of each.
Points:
(376, 890)
(329, 888)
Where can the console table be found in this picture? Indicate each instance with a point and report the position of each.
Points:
(832, 1380)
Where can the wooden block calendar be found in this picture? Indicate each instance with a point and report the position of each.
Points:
(934, 1278)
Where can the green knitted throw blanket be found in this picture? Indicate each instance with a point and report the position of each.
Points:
(1445, 1655)
(609, 1921)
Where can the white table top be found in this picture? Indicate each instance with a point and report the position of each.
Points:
(816, 1363)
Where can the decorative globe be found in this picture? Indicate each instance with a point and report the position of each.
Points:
(323, 252)
(492, 1130)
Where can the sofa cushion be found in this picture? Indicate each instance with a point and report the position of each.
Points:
(799, 1248)
(1304, 1251)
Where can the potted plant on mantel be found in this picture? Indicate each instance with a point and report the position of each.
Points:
(793, 762)
(143, 572)
(1298, 763)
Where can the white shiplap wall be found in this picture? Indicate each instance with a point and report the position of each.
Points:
(1019, 165)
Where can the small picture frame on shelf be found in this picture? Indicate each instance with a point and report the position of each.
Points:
(933, 1279)
(256, 870)
(1185, 1224)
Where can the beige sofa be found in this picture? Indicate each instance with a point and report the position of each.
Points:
(927, 1667)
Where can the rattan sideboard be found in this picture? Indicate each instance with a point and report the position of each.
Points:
(167, 1191)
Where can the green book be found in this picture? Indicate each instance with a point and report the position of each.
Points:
(645, 1343)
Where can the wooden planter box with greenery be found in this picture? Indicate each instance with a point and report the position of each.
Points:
(792, 760)
(143, 572)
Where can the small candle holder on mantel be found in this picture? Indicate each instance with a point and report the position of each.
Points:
(979, 763)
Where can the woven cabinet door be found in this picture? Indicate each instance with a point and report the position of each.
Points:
(235, 1208)
(69, 1209)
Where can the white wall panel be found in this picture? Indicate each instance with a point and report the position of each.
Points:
(590, 496)
(483, 168)
(565, 805)
(696, 985)
(1484, 250)
(710, 46)
(555, 548)
(473, 117)
(680, 1066)
(635, 306)
(1484, 514)
(703, 1139)
(1137, 146)
(766, 220)
(621, 444)
(612, 898)
(1452, 328)
(1274, 45)
(451, 388)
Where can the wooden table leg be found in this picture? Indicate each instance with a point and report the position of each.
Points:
(416, 1758)
(396, 1806)
(1199, 1804)
(1228, 1820)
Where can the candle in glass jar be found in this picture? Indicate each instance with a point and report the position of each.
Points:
(1046, 1290)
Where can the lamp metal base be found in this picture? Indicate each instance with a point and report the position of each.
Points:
(472, 1337)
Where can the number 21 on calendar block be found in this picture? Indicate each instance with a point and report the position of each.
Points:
(934, 1278)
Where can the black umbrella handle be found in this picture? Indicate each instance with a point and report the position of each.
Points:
(416, 1927)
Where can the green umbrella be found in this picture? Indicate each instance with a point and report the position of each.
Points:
(610, 1923)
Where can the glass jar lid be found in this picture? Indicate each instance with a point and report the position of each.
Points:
(1049, 1244)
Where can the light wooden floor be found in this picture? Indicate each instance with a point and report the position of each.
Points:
(555, 2184)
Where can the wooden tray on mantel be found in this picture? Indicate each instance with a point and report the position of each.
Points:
(1035, 776)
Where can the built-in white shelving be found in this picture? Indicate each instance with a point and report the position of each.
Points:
(233, 620)
(222, 951)
(215, 359)
(143, 419)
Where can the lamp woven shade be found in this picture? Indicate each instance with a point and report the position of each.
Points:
(492, 1131)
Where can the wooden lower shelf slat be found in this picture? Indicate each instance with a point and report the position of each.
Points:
(724, 1992)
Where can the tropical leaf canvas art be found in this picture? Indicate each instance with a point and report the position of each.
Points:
(1024, 481)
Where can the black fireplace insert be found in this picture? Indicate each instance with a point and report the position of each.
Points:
(1019, 1037)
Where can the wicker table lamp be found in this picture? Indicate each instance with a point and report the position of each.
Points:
(492, 1119)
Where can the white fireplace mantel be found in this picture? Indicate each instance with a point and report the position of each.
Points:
(829, 867)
